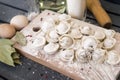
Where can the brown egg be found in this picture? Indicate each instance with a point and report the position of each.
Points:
(19, 21)
(7, 31)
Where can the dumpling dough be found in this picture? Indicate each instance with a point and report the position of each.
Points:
(99, 55)
(66, 41)
(64, 17)
(62, 28)
(75, 33)
(39, 42)
(52, 36)
(109, 43)
(113, 58)
(83, 56)
(47, 26)
(89, 43)
(109, 33)
(86, 30)
(67, 55)
(51, 48)
(100, 35)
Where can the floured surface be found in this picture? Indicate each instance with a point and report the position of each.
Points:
(84, 71)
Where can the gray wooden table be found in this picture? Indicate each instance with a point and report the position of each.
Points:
(30, 70)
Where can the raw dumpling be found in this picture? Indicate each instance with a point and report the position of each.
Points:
(89, 43)
(64, 17)
(109, 43)
(75, 33)
(47, 26)
(113, 58)
(100, 35)
(86, 30)
(66, 41)
(62, 27)
(99, 55)
(83, 56)
(67, 55)
(51, 48)
(39, 42)
(109, 33)
(52, 36)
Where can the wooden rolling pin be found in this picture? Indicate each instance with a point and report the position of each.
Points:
(102, 17)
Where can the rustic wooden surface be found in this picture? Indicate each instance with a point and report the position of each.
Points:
(30, 70)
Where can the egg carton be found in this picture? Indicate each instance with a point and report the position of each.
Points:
(76, 70)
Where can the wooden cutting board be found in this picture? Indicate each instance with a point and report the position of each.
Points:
(75, 71)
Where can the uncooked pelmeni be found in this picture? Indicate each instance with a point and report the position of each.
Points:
(86, 30)
(52, 36)
(39, 42)
(100, 35)
(83, 55)
(113, 58)
(51, 48)
(109, 43)
(66, 41)
(75, 33)
(99, 55)
(89, 43)
(67, 55)
(109, 33)
(47, 26)
(62, 28)
(64, 17)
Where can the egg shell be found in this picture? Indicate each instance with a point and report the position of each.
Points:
(19, 21)
(7, 31)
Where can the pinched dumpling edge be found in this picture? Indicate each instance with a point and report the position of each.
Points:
(67, 55)
(86, 30)
(109, 33)
(64, 24)
(112, 56)
(87, 45)
(99, 55)
(51, 48)
(83, 55)
(106, 41)
(49, 39)
(100, 35)
(66, 46)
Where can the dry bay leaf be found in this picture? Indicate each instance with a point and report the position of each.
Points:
(20, 39)
(8, 54)
(6, 42)
(5, 54)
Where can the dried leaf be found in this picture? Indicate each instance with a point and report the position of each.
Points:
(15, 56)
(8, 54)
(5, 54)
(17, 61)
(6, 42)
(20, 39)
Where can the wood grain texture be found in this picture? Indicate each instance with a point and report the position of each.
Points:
(7, 13)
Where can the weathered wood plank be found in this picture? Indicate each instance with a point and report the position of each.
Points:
(111, 7)
(114, 1)
(21, 4)
(24, 5)
(29, 70)
(1, 78)
(6, 13)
